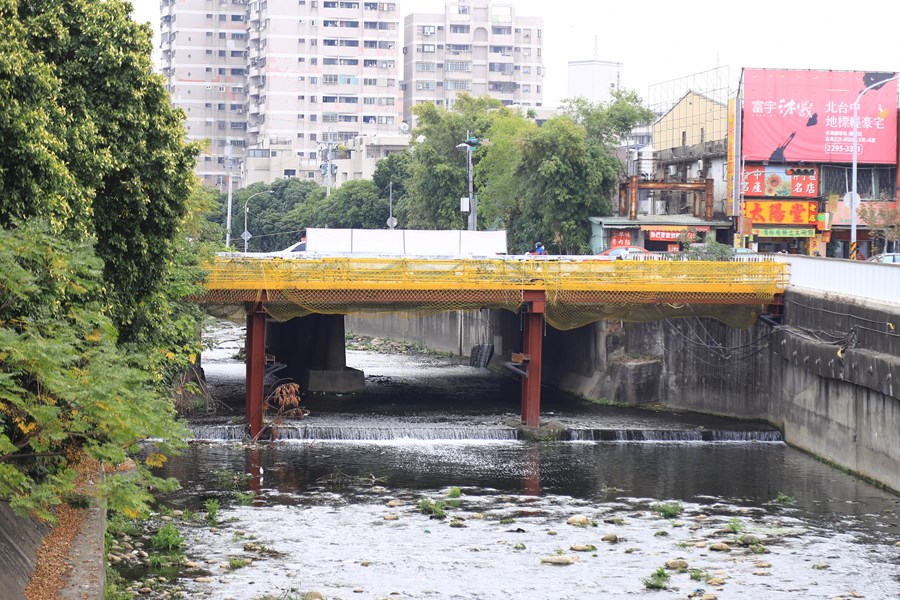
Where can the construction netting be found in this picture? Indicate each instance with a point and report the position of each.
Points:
(576, 291)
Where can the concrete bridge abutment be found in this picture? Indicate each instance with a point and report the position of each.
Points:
(313, 350)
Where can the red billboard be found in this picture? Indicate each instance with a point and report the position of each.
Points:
(792, 116)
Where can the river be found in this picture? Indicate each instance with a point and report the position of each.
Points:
(343, 504)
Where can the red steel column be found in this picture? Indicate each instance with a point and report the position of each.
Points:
(532, 339)
(256, 366)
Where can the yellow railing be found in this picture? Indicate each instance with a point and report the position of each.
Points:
(577, 292)
(409, 274)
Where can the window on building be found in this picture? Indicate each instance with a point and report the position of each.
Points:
(424, 67)
(455, 66)
(501, 30)
(427, 48)
(237, 17)
(459, 29)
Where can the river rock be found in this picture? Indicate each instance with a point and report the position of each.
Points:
(583, 548)
(145, 590)
(749, 540)
(761, 564)
(559, 559)
(720, 547)
(610, 538)
(614, 520)
(391, 517)
(700, 545)
(716, 581)
(114, 558)
(393, 503)
(579, 521)
(677, 563)
(178, 513)
(165, 518)
(203, 579)
(188, 564)
(312, 596)
(761, 572)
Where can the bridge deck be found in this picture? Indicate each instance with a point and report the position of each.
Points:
(577, 290)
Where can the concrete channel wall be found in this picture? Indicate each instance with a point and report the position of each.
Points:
(20, 540)
(828, 376)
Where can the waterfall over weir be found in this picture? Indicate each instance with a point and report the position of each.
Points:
(437, 432)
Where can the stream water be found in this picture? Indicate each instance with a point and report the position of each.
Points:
(342, 504)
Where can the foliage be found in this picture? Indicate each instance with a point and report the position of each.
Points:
(108, 134)
(658, 580)
(438, 169)
(883, 219)
(668, 510)
(784, 499)
(566, 180)
(167, 538)
(212, 511)
(354, 205)
(500, 189)
(454, 492)
(66, 389)
(235, 562)
(434, 508)
(735, 525)
(708, 250)
(391, 175)
(277, 214)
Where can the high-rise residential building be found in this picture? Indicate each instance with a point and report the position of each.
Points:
(276, 85)
(475, 46)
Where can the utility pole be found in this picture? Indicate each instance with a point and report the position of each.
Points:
(230, 161)
(328, 167)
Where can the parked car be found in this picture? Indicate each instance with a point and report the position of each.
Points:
(624, 251)
(887, 257)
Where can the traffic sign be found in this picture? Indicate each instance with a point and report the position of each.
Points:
(392, 222)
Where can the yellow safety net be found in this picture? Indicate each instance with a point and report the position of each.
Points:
(577, 292)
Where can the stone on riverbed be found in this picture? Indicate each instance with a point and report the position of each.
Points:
(677, 563)
(559, 560)
(579, 521)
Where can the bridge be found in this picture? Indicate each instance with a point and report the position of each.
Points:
(566, 292)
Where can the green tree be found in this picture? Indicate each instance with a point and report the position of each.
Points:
(120, 138)
(438, 170)
(392, 174)
(566, 180)
(355, 205)
(500, 189)
(104, 233)
(66, 388)
(607, 123)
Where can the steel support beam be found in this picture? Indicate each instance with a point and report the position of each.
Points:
(255, 351)
(532, 341)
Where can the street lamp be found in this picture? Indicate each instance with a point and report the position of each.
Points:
(246, 235)
(854, 196)
(469, 146)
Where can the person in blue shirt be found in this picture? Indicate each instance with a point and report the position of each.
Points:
(539, 248)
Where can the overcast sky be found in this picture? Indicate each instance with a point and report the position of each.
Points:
(660, 40)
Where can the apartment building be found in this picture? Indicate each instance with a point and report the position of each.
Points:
(276, 85)
(475, 46)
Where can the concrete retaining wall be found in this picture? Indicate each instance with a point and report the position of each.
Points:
(20, 540)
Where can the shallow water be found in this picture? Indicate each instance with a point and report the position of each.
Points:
(318, 518)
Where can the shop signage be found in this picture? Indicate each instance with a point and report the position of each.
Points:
(782, 213)
(783, 232)
(784, 181)
(620, 238)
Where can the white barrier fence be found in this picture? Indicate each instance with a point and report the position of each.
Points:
(879, 282)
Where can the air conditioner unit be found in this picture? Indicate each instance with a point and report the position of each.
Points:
(221, 88)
